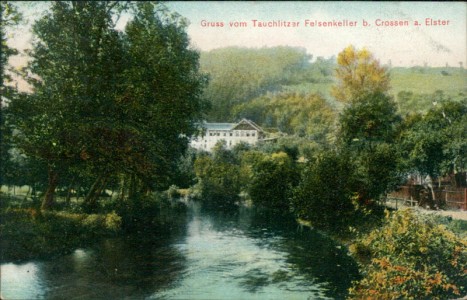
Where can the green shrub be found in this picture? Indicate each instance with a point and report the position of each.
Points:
(325, 194)
(219, 180)
(272, 179)
(112, 222)
(93, 222)
(412, 257)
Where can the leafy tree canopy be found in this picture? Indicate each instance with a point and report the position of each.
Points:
(109, 102)
(358, 73)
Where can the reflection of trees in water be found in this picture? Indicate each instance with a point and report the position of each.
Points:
(308, 253)
(250, 220)
(321, 259)
(145, 265)
(117, 268)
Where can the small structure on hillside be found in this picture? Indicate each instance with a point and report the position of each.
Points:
(233, 133)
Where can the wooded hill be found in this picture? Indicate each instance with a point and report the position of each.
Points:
(287, 88)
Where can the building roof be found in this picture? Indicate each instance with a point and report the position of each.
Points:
(244, 124)
(219, 126)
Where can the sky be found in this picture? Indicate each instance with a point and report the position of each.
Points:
(404, 46)
(410, 45)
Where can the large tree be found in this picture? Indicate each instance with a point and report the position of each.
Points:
(369, 122)
(369, 119)
(161, 101)
(435, 144)
(9, 17)
(272, 180)
(106, 102)
(358, 73)
(75, 69)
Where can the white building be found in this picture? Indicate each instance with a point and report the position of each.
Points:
(233, 133)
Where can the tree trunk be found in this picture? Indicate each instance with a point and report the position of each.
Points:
(133, 187)
(123, 182)
(34, 197)
(430, 186)
(78, 193)
(27, 193)
(91, 198)
(100, 188)
(49, 197)
(68, 194)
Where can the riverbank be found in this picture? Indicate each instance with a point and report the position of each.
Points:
(30, 233)
(241, 253)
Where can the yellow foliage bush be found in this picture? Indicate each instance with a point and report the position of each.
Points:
(411, 257)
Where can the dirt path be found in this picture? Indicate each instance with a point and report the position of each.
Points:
(455, 214)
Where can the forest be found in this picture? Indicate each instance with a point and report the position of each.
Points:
(101, 144)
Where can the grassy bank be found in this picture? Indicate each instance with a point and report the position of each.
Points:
(29, 233)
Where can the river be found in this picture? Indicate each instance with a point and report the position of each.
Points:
(239, 254)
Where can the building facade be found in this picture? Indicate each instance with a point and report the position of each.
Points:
(233, 134)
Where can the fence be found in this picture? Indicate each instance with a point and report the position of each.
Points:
(455, 197)
(450, 197)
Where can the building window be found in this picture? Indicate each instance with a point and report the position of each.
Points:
(224, 133)
(218, 134)
(231, 134)
(247, 134)
(253, 134)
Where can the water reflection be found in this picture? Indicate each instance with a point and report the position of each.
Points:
(237, 254)
(15, 276)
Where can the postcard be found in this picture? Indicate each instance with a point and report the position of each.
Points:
(233, 150)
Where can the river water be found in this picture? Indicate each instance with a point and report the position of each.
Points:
(239, 254)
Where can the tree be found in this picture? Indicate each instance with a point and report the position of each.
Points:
(305, 115)
(105, 105)
(435, 143)
(9, 17)
(368, 128)
(76, 63)
(357, 74)
(325, 192)
(369, 123)
(272, 181)
(219, 177)
(162, 96)
(371, 118)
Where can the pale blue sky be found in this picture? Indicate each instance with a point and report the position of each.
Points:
(402, 45)
(406, 46)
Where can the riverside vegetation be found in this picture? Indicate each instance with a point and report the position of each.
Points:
(345, 139)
